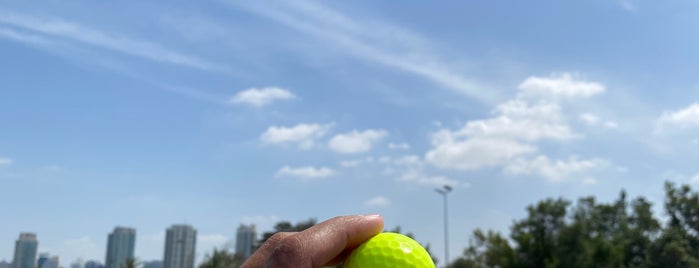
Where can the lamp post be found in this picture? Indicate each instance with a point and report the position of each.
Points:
(444, 191)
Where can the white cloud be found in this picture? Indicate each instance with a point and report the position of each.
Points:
(61, 29)
(5, 161)
(516, 119)
(305, 135)
(378, 201)
(589, 118)
(355, 141)
(683, 118)
(552, 170)
(398, 146)
(475, 153)
(259, 97)
(517, 125)
(563, 85)
(23, 37)
(306, 173)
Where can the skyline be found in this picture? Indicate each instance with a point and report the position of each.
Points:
(220, 113)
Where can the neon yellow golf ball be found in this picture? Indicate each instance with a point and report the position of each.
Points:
(389, 250)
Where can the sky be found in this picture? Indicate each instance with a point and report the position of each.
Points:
(217, 113)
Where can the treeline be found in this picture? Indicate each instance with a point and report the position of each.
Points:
(623, 233)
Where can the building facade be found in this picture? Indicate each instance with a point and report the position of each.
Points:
(45, 260)
(152, 264)
(180, 243)
(245, 240)
(120, 247)
(25, 251)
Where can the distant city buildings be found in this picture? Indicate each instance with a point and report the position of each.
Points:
(93, 264)
(47, 261)
(79, 263)
(180, 242)
(25, 251)
(245, 240)
(152, 264)
(120, 247)
(180, 249)
(5, 264)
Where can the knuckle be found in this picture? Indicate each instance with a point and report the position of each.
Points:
(288, 253)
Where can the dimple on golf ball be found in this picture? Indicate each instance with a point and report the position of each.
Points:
(389, 250)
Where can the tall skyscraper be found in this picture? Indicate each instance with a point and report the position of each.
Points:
(245, 240)
(120, 247)
(25, 251)
(180, 242)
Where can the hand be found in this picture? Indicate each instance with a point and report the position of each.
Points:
(326, 243)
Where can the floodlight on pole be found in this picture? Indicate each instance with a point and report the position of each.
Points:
(444, 191)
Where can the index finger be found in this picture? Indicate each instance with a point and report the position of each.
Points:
(323, 242)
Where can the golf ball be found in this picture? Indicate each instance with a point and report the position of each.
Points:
(389, 250)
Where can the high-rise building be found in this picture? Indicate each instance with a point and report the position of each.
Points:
(93, 264)
(152, 264)
(180, 242)
(245, 240)
(120, 247)
(25, 251)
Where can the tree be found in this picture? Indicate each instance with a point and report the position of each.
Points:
(486, 250)
(131, 263)
(222, 259)
(285, 226)
(536, 235)
(590, 234)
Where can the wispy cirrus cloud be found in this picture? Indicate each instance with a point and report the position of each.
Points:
(376, 42)
(51, 28)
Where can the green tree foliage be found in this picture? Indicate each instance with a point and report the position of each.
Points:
(221, 259)
(557, 233)
(285, 226)
(131, 263)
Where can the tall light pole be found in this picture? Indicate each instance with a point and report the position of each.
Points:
(444, 191)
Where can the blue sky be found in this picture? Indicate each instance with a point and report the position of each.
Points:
(217, 113)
